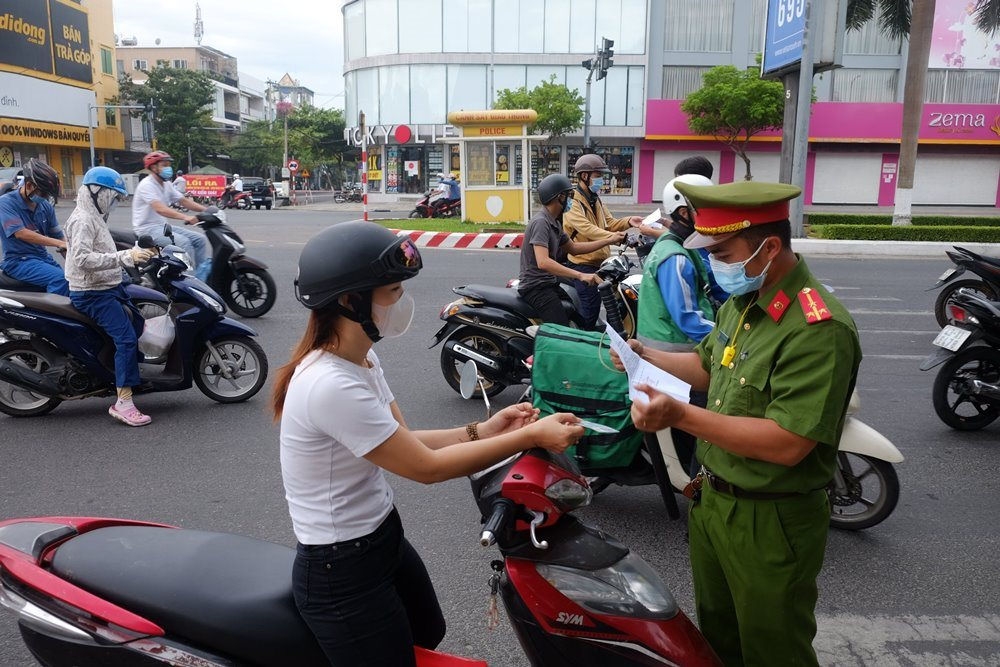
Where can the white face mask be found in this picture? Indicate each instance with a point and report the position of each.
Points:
(394, 320)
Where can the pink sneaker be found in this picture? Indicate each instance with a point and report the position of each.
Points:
(130, 415)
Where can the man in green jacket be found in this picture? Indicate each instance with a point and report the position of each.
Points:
(779, 369)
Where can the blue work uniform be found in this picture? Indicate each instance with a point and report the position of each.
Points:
(30, 262)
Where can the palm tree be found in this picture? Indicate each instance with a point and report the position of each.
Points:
(898, 19)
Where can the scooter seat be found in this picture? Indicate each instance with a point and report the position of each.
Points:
(226, 593)
(8, 283)
(55, 304)
(504, 297)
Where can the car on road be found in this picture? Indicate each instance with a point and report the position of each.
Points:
(260, 191)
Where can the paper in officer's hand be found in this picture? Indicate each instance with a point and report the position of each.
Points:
(642, 372)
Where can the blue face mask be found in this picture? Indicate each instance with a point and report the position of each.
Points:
(167, 173)
(596, 184)
(568, 204)
(733, 277)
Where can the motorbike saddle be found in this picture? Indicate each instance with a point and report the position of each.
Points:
(55, 304)
(226, 593)
(13, 284)
(506, 297)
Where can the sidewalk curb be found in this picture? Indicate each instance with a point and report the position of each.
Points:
(915, 249)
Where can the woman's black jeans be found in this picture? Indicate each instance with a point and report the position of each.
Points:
(369, 600)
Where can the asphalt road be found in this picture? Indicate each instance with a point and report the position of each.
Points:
(919, 589)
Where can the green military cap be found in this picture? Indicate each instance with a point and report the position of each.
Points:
(722, 211)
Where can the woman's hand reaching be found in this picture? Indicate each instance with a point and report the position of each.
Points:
(556, 432)
(510, 418)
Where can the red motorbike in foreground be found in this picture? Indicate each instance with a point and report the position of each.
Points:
(90, 592)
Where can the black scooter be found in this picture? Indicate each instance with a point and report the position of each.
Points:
(987, 286)
(244, 282)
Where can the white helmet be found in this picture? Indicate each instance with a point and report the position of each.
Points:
(236, 175)
(672, 199)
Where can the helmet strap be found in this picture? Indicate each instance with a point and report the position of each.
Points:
(93, 196)
(361, 312)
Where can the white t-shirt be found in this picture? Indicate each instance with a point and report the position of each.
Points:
(180, 184)
(335, 412)
(145, 220)
(238, 185)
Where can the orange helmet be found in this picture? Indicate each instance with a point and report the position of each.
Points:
(154, 157)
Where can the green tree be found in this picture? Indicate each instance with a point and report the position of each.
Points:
(734, 105)
(182, 99)
(560, 110)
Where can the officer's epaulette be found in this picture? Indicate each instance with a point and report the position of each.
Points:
(812, 306)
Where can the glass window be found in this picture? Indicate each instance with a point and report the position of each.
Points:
(480, 162)
(536, 74)
(636, 96)
(758, 17)
(531, 26)
(394, 94)
(181, 64)
(350, 98)
(368, 97)
(633, 27)
(576, 79)
(865, 85)
(381, 27)
(620, 160)
(955, 86)
(374, 167)
(456, 25)
(106, 61)
(597, 89)
(609, 21)
(869, 40)
(354, 26)
(679, 82)
(557, 22)
(509, 77)
(582, 26)
(616, 96)
(428, 101)
(503, 166)
(695, 25)
(466, 87)
(110, 116)
(480, 26)
(420, 26)
(505, 26)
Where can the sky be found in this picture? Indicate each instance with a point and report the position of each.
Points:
(304, 37)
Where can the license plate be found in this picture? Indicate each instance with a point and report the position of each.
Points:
(952, 338)
(947, 274)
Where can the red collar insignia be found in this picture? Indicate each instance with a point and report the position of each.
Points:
(813, 307)
(779, 306)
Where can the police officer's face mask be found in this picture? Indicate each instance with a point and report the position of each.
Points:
(733, 277)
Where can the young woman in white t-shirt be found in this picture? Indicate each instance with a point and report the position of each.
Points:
(358, 583)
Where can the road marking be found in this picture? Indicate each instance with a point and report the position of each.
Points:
(849, 640)
(900, 331)
(869, 298)
(897, 357)
(863, 311)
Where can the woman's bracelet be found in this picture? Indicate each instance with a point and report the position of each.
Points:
(472, 430)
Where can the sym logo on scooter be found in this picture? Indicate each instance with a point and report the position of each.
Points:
(569, 619)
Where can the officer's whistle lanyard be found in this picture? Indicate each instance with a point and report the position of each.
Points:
(730, 350)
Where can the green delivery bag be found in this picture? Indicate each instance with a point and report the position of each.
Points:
(568, 376)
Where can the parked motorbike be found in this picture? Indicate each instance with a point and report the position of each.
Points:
(434, 204)
(355, 195)
(987, 285)
(232, 199)
(245, 283)
(490, 325)
(55, 353)
(966, 390)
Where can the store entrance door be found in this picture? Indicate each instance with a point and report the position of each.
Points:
(66, 177)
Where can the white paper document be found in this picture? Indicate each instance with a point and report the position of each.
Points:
(643, 372)
(597, 428)
(653, 220)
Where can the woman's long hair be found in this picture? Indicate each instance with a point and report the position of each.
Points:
(320, 334)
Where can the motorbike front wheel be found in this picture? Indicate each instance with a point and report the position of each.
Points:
(481, 342)
(251, 292)
(944, 296)
(955, 400)
(238, 372)
(863, 493)
(18, 401)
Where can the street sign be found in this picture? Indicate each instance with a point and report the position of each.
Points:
(783, 33)
(293, 165)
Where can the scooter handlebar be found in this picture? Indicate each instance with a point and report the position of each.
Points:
(502, 510)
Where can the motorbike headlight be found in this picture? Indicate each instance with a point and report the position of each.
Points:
(569, 494)
(630, 587)
(238, 248)
(210, 301)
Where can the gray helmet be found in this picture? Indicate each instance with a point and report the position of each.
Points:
(352, 257)
(589, 162)
(42, 176)
(552, 186)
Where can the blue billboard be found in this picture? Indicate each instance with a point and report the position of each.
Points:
(786, 23)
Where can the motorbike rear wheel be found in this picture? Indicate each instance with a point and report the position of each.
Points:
(483, 343)
(954, 401)
(852, 503)
(17, 401)
(242, 358)
(944, 296)
(251, 292)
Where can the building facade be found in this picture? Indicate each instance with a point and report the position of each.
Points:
(409, 62)
(56, 72)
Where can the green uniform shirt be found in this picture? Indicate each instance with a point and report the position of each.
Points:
(795, 373)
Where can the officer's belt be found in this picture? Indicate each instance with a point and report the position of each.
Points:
(722, 486)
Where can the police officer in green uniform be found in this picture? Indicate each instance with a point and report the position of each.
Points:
(779, 369)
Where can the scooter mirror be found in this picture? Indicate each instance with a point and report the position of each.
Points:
(146, 241)
(168, 231)
(468, 379)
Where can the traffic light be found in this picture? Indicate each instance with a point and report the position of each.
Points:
(605, 57)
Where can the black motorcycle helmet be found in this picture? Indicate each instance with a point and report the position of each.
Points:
(42, 176)
(353, 258)
(552, 186)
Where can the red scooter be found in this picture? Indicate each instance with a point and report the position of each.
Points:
(434, 205)
(232, 199)
(92, 592)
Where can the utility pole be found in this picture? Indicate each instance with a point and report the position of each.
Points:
(601, 62)
(364, 163)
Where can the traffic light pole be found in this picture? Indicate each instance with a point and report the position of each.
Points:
(586, 113)
(601, 62)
